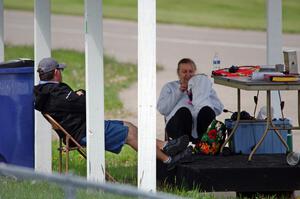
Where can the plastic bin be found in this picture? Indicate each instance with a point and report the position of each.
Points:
(249, 133)
(17, 113)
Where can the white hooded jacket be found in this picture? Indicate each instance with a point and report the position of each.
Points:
(172, 98)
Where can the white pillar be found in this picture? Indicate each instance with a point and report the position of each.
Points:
(1, 32)
(42, 48)
(274, 44)
(147, 95)
(95, 90)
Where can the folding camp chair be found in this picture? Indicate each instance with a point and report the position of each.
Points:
(167, 138)
(67, 147)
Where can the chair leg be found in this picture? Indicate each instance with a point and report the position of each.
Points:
(67, 155)
(67, 160)
(166, 136)
(109, 177)
(60, 156)
(81, 153)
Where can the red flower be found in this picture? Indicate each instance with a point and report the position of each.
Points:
(205, 148)
(215, 148)
(212, 134)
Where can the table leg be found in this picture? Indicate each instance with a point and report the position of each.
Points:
(280, 137)
(237, 120)
(269, 118)
(298, 107)
(269, 123)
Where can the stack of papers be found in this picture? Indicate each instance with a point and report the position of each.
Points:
(275, 76)
(261, 75)
(282, 78)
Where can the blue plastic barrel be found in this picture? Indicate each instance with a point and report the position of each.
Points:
(17, 113)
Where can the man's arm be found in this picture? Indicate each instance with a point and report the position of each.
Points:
(68, 100)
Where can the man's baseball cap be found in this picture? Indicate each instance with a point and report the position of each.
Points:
(49, 64)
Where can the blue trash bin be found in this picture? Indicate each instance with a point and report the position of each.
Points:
(17, 113)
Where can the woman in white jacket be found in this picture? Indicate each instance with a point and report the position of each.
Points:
(189, 104)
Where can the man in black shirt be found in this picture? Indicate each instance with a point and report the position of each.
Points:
(68, 107)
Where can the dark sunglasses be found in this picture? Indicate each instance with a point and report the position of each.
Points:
(61, 69)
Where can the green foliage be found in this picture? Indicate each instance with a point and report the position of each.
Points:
(117, 75)
(238, 14)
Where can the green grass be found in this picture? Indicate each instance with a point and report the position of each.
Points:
(123, 166)
(14, 188)
(237, 14)
(117, 76)
(11, 188)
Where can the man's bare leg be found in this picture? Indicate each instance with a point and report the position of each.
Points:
(132, 137)
(132, 140)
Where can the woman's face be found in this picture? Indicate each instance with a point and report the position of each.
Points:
(185, 72)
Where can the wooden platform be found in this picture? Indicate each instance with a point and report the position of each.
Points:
(265, 173)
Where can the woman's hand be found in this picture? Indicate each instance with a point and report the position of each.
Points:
(183, 85)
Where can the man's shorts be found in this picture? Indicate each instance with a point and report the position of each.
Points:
(115, 135)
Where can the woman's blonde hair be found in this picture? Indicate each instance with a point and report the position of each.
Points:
(186, 61)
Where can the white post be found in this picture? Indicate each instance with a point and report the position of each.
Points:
(95, 90)
(42, 48)
(147, 95)
(274, 44)
(1, 32)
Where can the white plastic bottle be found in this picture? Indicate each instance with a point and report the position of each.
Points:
(216, 62)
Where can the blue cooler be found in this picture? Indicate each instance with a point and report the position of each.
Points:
(249, 132)
(17, 113)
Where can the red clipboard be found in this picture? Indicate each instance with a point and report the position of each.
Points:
(240, 72)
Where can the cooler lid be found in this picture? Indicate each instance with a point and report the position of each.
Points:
(22, 62)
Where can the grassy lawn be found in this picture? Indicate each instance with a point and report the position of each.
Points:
(12, 188)
(123, 167)
(117, 75)
(237, 14)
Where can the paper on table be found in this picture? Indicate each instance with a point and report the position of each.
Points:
(261, 75)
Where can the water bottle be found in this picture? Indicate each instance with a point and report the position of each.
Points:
(216, 62)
